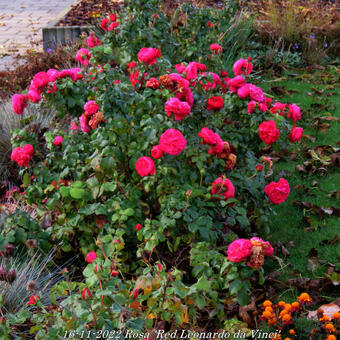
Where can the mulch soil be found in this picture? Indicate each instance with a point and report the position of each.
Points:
(87, 12)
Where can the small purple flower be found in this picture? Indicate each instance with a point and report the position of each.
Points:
(326, 45)
(296, 46)
(48, 50)
(312, 36)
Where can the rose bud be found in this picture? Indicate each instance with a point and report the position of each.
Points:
(114, 273)
(138, 227)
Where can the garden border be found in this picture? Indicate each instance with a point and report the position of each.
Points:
(54, 35)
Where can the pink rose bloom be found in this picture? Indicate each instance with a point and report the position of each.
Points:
(235, 83)
(278, 108)
(19, 102)
(53, 74)
(58, 140)
(243, 66)
(104, 24)
(83, 56)
(74, 126)
(216, 48)
(264, 244)
(218, 147)
(294, 112)
(93, 41)
(90, 257)
(263, 107)
(253, 91)
(268, 132)
(180, 68)
(277, 192)
(208, 136)
(76, 73)
(22, 155)
(83, 124)
(157, 152)
(191, 71)
(33, 95)
(223, 187)
(145, 166)
(172, 142)
(91, 107)
(296, 134)
(113, 17)
(207, 85)
(40, 80)
(177, 108)
(251, 106)
(239, 250)
(148, 55)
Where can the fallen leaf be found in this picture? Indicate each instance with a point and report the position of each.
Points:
(328, 310)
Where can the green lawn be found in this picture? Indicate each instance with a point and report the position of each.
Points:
(318, 94)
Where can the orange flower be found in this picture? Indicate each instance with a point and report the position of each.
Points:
(288, 307)
(272, 321)
(269, 309)
(331, 337)
(329, 327)
(287, 319)
(267, 303)
(281, 304)
(336, 316)
(295, 306)
(325, 318)
(283, 312)
(291, 332)
(288, 339)
(304, 297)
(267, 314)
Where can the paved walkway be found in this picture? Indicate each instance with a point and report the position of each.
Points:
(21, 23)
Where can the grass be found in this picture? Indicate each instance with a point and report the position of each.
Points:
(317, 92)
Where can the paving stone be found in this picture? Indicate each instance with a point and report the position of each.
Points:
(23, 20)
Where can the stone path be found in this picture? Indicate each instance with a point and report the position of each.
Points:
(21, 23)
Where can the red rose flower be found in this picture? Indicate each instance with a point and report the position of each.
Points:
(268, 132)
(277, 192)
(259, 167)
(296, 134)
(216, 48)
(157, 152)
(215, 103)
(138, 227)
(19, 102)
(58, 140)
(172, 142)
(90, 257)
(208, 136)
(33, 300)
(223, 187)
(104, 24)
(294, 112)
(91, 107)
(145, 166)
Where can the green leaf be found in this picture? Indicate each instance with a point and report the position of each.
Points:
(77, 193)
(235, 286)
(128, 212)
(200, 300)
(242, 298)
(203, 283)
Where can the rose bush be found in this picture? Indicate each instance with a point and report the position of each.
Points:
(132, 186)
